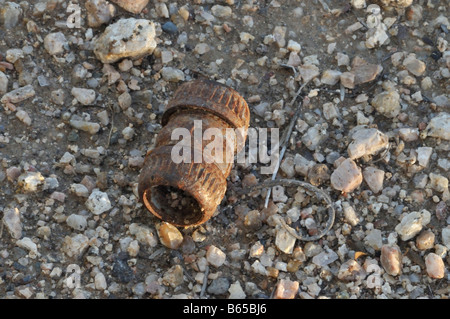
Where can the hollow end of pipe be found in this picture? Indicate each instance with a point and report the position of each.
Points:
(173, 205)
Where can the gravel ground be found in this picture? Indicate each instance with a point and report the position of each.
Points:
(82, 104)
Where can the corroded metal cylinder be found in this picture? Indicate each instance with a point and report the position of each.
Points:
(187, 193)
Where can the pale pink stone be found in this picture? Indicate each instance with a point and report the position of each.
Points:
(435, 266)
(61, 197)
(391, 259)
(286, 289)
(347, 176)
(133, 6)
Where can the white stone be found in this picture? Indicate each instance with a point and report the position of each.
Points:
(29, 245)
(54, 43)
(314, 136)
(3, 83)
(143, 234)
(133, 248)
(12, 55)
(287, 167)
(256, 250)
(350, 214)
(79, 190)
(367, 141)
(84, 96)
(100, 281)
(172, 74)
(29, 181)
(284, 241)
(424, 155)
(358, 4)
(374, 178)
(308, 72)
(330, 77)
(133, 6)
(128, 133)
(236, 291)
(330, 111)
(438, 182)
(439, 126)
(98, 202)
(74, 246)
(11, 219)
(18, 95)
(201, 48)
(10, 14)
(77, 222)
(221, 11)
(325, 258)
(293, 213)
(387, 103)
(409, 134)
(342, 59)
(90, 127)
(414, 65)
(127, 38)
(302, 165)
(23, 116)
(446, 236)
(99, 12)
(294, 46)
(412, 224)
(258, 268)
(215, 256)
(374, 239)
(278, 194)
(347, 176)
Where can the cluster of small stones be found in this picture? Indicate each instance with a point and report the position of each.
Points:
(80, 107)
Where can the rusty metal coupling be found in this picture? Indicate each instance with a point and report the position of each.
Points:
(187, 193)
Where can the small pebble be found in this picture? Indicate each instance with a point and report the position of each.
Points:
(367, 142)
(215, 256)
(414, 65)
(75, 245)
(77, 222)
(218, 286)
(171, 74)
(439, 126)
(18, 95)
(387, 103)
(100, 281)
(374, 178)
(236, 291)
(84, 96)
(286, 289)
(425, 240)
(12, 221)
(133, 6)
(55, 42)
(435, 266)
(98, 202)
(412, 224)
(126, 38)
(284, 241)
(391, 259)
(174, 276)
(170, 236)
(347, 176)
(169, 27)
